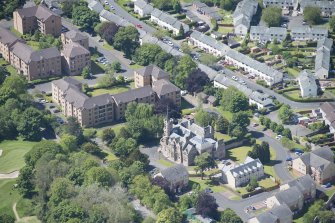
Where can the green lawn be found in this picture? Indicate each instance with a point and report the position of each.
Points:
(165, 162)
(33, 44)
(206, 183)
(292, 72)
(226, 114)
(12, 155)
(219, 136)
(295, 94)
(107, 46)
(9, 67)
(238, 154)
(135, 66)
(112, 90)
(97, 68)
(8, 196)
(115, 127)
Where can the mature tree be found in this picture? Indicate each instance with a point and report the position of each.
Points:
(253, 184)
(91, 148)
(176, 6)
(287, 133)
(181, 31)
(262, 152)
(127, 40)
(67, 7)
(196, 81)
(72, 127)
(3, 74)
(30, 123)
(16, 83)
(266, 152)
(332, 23)
(163, 4)
(61, 189)
(5, 218)
(273, 126)
(204, 161)
(204, 118)
(165, 106)
(24, 181)
(234, 101)
(318, 211)
(123, 147)
(161, 58)
(107, 31)
(146, 54)
(229, 216)
(272, 16)
(227, 4)
(312, 15)
(279, 129)
(285, 113)
(222, 124)
(99, 175)
(206, 205)
(116, 65)
(108, 135)
(185, 67)
(85, 18)
(185, 48)
(241, 119)
(86, 73)
(170, 215)
(69, 143)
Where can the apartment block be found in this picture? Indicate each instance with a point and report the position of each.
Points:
(149, 74)
(92, 111)
(7, 40)
(35, 64)
(75, 58)
(28, 20)
(73, 36)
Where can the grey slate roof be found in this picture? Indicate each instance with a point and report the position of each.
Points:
(275, 214)
(209, 41)
(326, 43)
(152, 70)
(75, 35)
(244, 12)
(133, 94)
(268, 31)
(307, 79)
(249, 165)
(66, 82)
(40, 12)
(163, 87)
(113, 18)
(169, 19)
(99, 100)
(261, 99)
(147, 8)
(252, 63)
(309, 30)
(305, 183)
(321, 4)
(96, 6)
(175, 173)
(289, 196)
(74, 49)
(319, 158)
(27, 54)
(7, 37)
(322, 58)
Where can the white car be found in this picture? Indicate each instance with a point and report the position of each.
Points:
(279, 137)
(112, 7)
(170, 43)
(234, 78)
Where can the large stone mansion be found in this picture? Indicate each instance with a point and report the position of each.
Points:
(181, 143)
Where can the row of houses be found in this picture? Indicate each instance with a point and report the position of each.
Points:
(261, 100)
(284, 4)
(253, 67)
(242, 16)
(208, 44)
(152, 84)
(327, 7)
(289, 200)
(322, 58)
(327, 111)
(45, 63)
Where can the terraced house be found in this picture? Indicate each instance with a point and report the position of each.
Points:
(106, 108)
(327, 7)
(322, 58)
(208, 44)
(168, 22)
(305, 33)
(28, 20)
(284, 4)
(242, 16)
(253, 67)
(265, 34)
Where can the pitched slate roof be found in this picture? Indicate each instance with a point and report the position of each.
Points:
(133, 94)
(261, 99)
(289, 196)
(305, 183)
(320, 4)
(249, 165)
(99, 100)
(147, 8)
(322, 58)
(66, 82)
(326, 43)
(113, 18)
(75, 35)
(74, 49)
(268, 31)
(169, 19)
(27, 54)
(244, 12)
(152, 70)
(307, 79)
(252, 63)
(96, 6)
(40, 12)
(163, 87)
(218, 45)
(175, 173)
(319, 158)
(75, 97)
(275, 214)
(309, 30)
(7, 37)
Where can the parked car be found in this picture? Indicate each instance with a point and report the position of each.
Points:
(328, 185)
(208, 190)
(279, 137)
(298, 150)
(139, 26)
(260, 91)
(234, 78)
(289, 158)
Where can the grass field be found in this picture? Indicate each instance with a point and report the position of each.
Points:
(165, 163)
(206, 183)
(115, 127)
(112, 90)
(12, 155)
(8, 196)
(219, 136)
(238, 154)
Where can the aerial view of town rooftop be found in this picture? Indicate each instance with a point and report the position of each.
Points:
(167, 111)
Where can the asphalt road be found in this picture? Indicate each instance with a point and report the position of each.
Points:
(295, 105)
